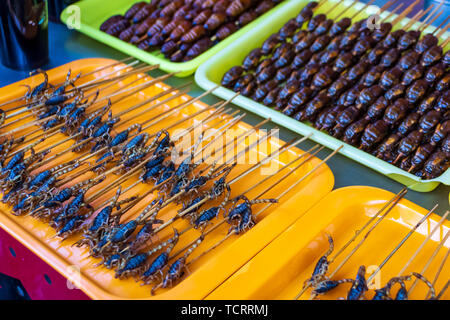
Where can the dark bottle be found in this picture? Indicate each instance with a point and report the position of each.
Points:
(55, 7)
(23, 33)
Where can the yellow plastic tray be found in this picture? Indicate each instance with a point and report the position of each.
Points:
(208, 272)
(278, 271)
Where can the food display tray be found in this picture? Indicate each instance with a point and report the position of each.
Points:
(208, 272)
(278, 271)
(210, 74)
(92, 13)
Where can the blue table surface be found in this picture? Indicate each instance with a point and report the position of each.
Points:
(68, 45)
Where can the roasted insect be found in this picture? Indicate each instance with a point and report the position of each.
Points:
(152, 25)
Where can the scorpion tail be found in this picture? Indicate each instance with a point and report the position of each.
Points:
(428, 283)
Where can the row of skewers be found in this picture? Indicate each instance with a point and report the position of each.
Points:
(95, 202)
(385, 92)
(322, 281)
(183, 29)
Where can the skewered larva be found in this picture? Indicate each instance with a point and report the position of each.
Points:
(373, 134)
(390, 77)
(226, 30)
(252, 59)
(144, 26)
(143, 13)
(128, 33)
(110, 21)
(194, 34)
(169, 47)
(435, 73)
(181, 12)
(236, 7)
(263, 7)
(385, 149)
(208, 3)
(271, 97)
(221, 6)
(171, 8)
(180, 30)
(157, 27)
(202, 17)
(169, 27)
(412, 74)
(192, 14)
(116, 28)
(246, 18)
(199, 47)
(444, 83)
(130, 13)
(215, 20)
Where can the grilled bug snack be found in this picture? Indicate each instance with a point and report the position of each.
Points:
(380, 90)
(199, 25)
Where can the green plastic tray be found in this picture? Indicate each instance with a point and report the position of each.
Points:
(92, 13)
(210, 74)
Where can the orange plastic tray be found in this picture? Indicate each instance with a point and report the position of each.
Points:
(278, 271)
(208, 272)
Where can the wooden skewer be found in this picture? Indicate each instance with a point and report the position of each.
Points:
(260, 183)
(438, 273)
(95, 82)
(133, 90)
(397, 200)
(257, 165)
(320, 3)
(387, 5)
(118, 181)
(122, 180)
(33, 105)
(123, 112)
(262, 210)
(435, 252)
(89, 155)
(431, 21)
(423, 14)
(334, 7)
(84, 159)
(111, 82)
(409, 234)
(57, 85)
(226, 127)
(392, 201)
(445, 43)
(286, 175)
(112, 65)
(345, 9)
(439, 296)
(432, 13)
(320, 164)
(405, 13)
(181, 214)
(164, 225)
(218, 113)
(393, 12)
(441, 221)
(362, 9)
(389, 205)
(185, 104)
(118, 115)
(414, 19)
(441, 24)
